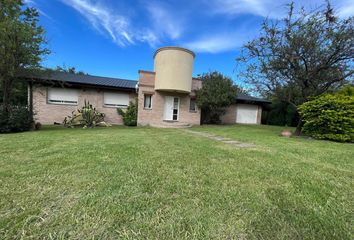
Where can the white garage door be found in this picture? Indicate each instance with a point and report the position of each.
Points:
(246, 113)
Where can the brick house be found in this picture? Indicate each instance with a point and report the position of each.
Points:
(166, 96)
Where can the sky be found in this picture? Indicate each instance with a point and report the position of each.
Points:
(116, 38)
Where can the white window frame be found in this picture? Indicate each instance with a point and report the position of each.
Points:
(178, 108)
(112, 105)
(169, 109)
(63, 101)
(145, 95)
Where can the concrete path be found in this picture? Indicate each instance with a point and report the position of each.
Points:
(220, 139)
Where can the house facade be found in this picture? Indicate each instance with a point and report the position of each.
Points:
(165, 96)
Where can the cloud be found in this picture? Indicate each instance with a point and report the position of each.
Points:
(274, 9)
(217, 43)
(264, 8)
(110, 23)
(202, 25)
(346, 9)
(164, 19)
(28, 2)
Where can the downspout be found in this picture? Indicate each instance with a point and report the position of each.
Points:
(30, 99)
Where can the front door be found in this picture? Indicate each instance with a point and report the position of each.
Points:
(171, 108)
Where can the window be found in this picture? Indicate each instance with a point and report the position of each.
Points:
(192, 105)
(175, 109)
(63, 96)
(111, 99)
(147, 101)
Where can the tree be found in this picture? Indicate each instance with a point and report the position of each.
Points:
(217, 93)
(21, 45)
(68, 70)
(302, 56)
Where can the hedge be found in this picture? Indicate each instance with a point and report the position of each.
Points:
(329, 117)
(19, 119)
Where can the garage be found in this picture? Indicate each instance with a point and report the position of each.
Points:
(246, 113)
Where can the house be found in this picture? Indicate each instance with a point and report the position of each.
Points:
(166, 96)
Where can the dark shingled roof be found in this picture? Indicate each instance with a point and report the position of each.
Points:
(245, 97)
(89, 80)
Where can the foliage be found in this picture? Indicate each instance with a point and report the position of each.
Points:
(68, 70)
(19, 94)
(22, 44)
(18, 119)
(281, 114)
(217, 93)
(130, 115)
(302, 56)
(347, 90)
(330, 116)
(86, 117)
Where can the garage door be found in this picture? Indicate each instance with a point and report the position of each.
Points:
(246, 113)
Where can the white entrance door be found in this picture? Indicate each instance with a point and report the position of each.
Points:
(171, 108)
(246, 113)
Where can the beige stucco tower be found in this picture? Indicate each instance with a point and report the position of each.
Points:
(173, 69)
(166, 95)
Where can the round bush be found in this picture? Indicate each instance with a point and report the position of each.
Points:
(19, 119)
(329, 117)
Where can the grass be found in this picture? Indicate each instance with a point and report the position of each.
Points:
(146, 183)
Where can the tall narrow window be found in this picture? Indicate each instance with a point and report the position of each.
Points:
(147, 101)
(192, 105)
(175, 109)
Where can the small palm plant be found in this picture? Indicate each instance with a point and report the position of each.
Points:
(86, 117)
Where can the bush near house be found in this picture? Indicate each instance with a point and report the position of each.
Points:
(330, 116)
(86, 117)
(217, 93)
(130, 115)
(18, 119)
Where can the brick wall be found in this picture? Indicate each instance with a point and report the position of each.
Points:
(48, 113)
(154, 116)
(230, 115)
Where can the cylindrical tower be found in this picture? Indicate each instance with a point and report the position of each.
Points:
(173, 67)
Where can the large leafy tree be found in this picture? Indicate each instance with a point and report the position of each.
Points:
(22, 45)
(217, 93)
(304, 55)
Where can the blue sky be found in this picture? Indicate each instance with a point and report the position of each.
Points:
(116, 38)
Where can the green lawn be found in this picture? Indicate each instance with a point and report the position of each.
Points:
(147, 183)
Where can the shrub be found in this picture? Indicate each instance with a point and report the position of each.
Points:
(86, 117)
(281, 114)
(130, 115)
(19, 119)
(329, 117)
(217, 93)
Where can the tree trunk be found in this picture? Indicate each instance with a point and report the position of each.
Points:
(299, 126)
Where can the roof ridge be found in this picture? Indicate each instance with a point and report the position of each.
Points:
(89, 75)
